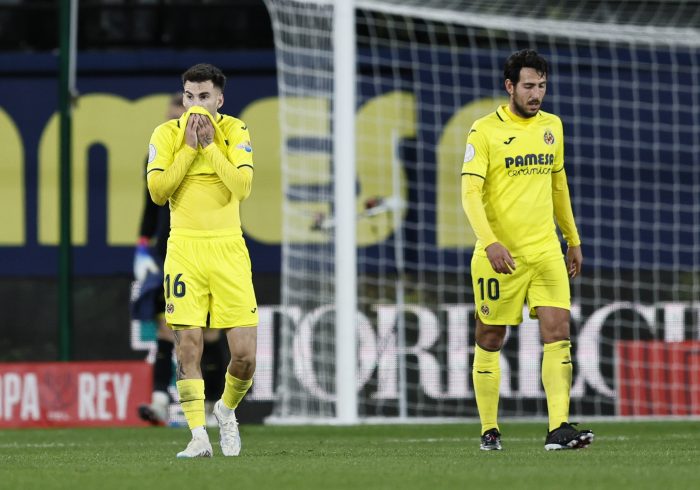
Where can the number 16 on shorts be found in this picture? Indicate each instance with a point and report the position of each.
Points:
(174, 287)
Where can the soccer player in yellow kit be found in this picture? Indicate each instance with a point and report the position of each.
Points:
(513, 186)
(202, 164)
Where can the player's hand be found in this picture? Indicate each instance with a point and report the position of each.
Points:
(205, 131)
(143, 263)
(191, 131)
(574, 259)
(500, 258)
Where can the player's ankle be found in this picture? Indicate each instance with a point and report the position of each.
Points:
(200, 433)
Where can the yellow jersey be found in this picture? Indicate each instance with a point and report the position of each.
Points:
(216, 178)
(516, 158)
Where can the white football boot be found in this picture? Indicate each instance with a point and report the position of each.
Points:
(230, 438)
(199, 447)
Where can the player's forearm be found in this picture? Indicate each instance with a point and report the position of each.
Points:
(562, 209)
(162, 184)
(472, 186)
(238, 180)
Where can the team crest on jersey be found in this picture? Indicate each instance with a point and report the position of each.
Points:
(548, 137)
(151, 153)
(169, 308)
(245, 146)
(485, 310)
(469, 153)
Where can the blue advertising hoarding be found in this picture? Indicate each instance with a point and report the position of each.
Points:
(624, 146)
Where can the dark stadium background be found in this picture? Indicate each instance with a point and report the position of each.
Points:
(130, 48)
(136, 48)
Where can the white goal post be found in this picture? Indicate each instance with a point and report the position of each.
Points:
(376, 97)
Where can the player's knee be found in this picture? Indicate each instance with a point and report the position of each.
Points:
(555, 332)
(490, 338)
(490, 343)
(244, 365)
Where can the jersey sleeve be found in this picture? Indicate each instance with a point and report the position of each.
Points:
(558, 165)
(240, 150)
(160, 150)
(235, 166)
(563, 211)
(476, 155)
(473, 206)
(238, 179)
(166, 168)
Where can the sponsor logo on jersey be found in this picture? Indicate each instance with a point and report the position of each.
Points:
(245, 146)
(517, 172)
(548, 137)
(169, 308)
(507, 142)
(530, 159)
(485, 310)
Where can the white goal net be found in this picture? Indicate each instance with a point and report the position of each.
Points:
(624, 81)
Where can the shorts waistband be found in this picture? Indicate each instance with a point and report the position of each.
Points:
(221, 233)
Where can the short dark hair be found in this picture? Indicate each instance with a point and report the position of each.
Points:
(203, 72)
(525, 58)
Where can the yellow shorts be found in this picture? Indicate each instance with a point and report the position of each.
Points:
(208, 275)
(499, 298)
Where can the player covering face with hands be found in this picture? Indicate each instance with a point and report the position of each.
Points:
(513, 186)
(200, 129)
(150, 306)
(202, 165)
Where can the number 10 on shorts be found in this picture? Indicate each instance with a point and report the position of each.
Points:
(488, 289)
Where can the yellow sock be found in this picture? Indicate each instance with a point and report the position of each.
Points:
(191, 393)
(556, 377)
(235, 390)
(486, 374)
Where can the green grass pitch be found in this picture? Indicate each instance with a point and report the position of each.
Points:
(634, 455)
